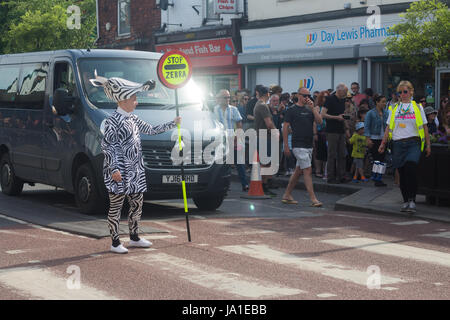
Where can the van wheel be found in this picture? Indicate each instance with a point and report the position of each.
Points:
(11, 184)
(87, 196)
(209, 203)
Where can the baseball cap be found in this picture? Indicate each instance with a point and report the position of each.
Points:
(429, 110)
(359, 125)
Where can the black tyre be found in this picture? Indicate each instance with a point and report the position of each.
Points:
(11, 184)
(87, 195)
(208, 203)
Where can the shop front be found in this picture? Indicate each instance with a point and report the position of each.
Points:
(214, 63)
(319, 55)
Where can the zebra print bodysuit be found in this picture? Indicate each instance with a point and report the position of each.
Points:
(121, 146)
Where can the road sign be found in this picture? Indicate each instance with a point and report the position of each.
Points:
(174, 69)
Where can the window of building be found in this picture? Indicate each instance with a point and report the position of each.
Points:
(210, 10)
(124, 17)
(8, 85)
(32, 88)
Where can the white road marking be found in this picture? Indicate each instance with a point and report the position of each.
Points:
(335, 228)
(13, 219)
(247, 232)
(223, 222)
(441, 229)
(354, 235)
(43, 284)
(40, 227)
(407, 223)
(263, 252)
(393, 249)
(438, 284)
(389, 288)
(169, 226)
(362, 217)
(17, 251)
(152, 237)
(326, 295)
(439, 235)
(305, 238)
(215, 278)
(34, 261)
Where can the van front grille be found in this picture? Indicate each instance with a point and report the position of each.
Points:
(160, 158)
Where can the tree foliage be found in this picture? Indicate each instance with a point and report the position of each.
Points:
(423, 38)
(38, 25)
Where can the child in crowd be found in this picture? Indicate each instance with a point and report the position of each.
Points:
(358, 140)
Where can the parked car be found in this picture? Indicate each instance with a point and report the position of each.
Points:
(51, 120)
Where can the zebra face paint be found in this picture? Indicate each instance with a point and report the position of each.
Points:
(118, 89)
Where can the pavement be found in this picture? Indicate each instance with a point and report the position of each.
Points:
(366, 198)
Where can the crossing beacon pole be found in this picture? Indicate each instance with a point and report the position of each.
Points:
(174, 71)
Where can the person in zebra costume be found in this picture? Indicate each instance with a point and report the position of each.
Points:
(123, 167)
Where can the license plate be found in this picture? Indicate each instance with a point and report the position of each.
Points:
(176, 178)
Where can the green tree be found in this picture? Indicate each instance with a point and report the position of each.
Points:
(423, 38)
(38, 25)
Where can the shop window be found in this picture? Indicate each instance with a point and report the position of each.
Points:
(422, 81)
(124, 17)
(210, 10)
(32, 88)
(8, 85)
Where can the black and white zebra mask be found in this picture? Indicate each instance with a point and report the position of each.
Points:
(118, 89)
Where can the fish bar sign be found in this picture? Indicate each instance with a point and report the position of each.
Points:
(174, 69)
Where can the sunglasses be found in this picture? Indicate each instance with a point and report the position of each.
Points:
(305, 95)
(404, 92)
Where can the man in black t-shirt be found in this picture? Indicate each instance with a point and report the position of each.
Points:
(302, 118)
(333, 112)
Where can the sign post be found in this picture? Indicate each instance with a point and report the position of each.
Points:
(174, 71)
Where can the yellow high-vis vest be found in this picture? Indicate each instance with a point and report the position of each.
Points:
(419, 123)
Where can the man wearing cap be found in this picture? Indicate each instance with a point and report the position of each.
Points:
(431, 114)
(123, 167)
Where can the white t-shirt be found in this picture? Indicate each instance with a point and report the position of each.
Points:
(405, 121)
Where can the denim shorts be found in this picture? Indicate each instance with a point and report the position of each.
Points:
(403, 151)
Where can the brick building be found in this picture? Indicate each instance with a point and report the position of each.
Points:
(128, 24)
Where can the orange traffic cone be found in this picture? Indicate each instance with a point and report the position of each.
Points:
(256, 188)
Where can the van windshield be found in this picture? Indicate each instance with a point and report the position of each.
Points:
(136, 70)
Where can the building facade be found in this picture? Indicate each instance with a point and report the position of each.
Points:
(127, 24)
(208, 32)
(320, 44)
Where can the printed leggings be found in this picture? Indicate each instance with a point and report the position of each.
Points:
(134, 216)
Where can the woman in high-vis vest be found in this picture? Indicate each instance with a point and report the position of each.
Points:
(406, 126)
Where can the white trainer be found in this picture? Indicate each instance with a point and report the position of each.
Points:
(142, 243)
(405, 207)
(119, 249)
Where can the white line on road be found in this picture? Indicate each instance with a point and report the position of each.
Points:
(17, 251)
(393, 249)
(263, 252)
(215, 278)
(40, 227)
(407, 223)
(152, 237)
(335, 228)
(43, 284)
(438, 235)
(326, 295)
(362, 217)
(247, 232)
(169, 226)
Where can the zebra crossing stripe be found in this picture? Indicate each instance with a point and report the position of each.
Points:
(215, 278)
(393, 249)
(263, 252)
(38, 283)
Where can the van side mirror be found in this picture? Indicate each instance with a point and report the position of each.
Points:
(62, 102)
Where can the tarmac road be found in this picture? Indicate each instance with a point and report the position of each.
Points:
(265, 251)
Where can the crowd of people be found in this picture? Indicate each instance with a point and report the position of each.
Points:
(338, 135)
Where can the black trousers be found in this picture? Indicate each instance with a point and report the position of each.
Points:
(376, 156)
(408, 181)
